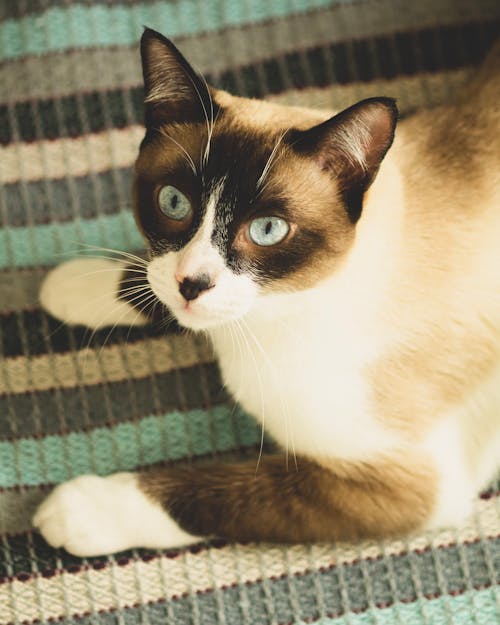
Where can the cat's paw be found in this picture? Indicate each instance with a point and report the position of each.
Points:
(84, 291)
(92, 515)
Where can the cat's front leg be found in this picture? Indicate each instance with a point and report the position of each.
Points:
(171, 507)
(96, 292)
(92, 515)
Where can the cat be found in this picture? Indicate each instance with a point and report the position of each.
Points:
(348, 278)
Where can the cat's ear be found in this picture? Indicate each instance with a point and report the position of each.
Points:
(174, 91)
(351, 145)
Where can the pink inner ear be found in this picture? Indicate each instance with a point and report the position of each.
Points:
(380, 122)
(174, 91)
(353, 143)
(166, 79)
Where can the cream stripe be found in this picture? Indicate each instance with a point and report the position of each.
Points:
(70, 157)
(118, 148)
(109, 364)
(169, 577)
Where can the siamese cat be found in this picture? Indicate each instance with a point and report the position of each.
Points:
(349, 279)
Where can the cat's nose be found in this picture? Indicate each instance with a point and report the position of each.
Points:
(190, 288)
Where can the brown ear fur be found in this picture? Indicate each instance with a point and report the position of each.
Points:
(352, 145)
(174, 91)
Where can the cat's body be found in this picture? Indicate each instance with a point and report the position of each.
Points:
(372, 357)
(400, 347)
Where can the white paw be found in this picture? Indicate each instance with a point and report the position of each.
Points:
(92, 515)
(83, 291)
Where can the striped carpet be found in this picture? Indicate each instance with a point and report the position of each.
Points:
(72, 402)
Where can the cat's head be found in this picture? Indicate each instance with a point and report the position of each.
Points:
(239, 198)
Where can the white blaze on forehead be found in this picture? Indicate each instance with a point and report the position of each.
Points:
(200, 255)
(231, 295)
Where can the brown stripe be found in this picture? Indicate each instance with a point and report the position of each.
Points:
(107, 364)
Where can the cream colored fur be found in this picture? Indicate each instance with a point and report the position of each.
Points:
(83, 291)
(398, 351)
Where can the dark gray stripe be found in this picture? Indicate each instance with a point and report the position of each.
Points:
(40, 202)
(47, 334)
(19, 289)
(355, 587)
(60, 411)
(47, 201)
(17, 508)
(217, 52)
(362, 60)
(74, 71)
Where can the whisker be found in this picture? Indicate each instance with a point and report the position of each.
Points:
(261, 190)
(119, 269)
(132, 289)
(60, 325)
(166, 322)
(284, 406)
(185, 152)
(153, 309)
(120, 266)
(138, 291)
(120, 263)
(261, 388)
(96, 329)
(136, 298)
(146, 303)
(129, 268)
(124, 262)
(270, 160)
(167, 318)
(203, 105)
(240, 351)
(212, 122)
(97, 248)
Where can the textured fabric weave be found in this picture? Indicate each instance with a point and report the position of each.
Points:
(73, 403)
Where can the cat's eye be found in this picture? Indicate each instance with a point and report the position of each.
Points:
(268, 230)
(174, 204)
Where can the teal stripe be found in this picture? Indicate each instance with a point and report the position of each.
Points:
(84, 26)
(126, 446)
(49, 244)
(478, 607)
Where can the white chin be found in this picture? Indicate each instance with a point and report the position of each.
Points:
(197, 320)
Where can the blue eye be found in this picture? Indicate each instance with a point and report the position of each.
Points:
(268, 230)
(174, 204)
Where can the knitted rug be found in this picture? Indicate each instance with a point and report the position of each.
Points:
(73, 403)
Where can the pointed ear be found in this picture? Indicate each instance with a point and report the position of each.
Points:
(351, 145)
(174, 91)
